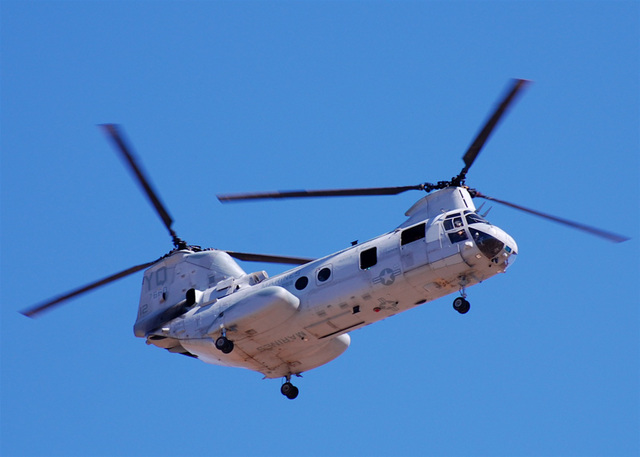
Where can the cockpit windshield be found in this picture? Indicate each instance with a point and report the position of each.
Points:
(455, 220)
(487, 244)
(474, 218)
(454, 224)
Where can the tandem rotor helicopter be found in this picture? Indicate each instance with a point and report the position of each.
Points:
(201, 303)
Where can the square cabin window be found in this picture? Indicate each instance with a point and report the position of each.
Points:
(412, 234)
(368, 258)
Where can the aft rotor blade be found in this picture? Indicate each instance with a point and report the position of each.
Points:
(576, 225)
(319, 193)
(249, 257)
(33, 312)
(113, 131)
(477, 144)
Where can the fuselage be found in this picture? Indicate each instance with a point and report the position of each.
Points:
(300, 319)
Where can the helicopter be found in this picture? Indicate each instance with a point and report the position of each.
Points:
(200, 303)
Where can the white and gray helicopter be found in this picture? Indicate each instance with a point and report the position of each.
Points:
(201, 303)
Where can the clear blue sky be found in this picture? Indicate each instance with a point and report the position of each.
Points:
(220, 97)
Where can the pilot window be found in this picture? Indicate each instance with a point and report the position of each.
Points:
(412, 234)
(453, 222)
(457, 236)
(454, 226)
(368, 258)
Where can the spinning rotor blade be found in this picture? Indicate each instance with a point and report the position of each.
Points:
(576, 225)
(469, 157)
(268, 258)
(477, 144)
(113, 131)
(319, 193)
(34, 311)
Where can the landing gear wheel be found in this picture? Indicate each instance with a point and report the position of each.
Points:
(225, 345)
(461, 305)
(289, 390)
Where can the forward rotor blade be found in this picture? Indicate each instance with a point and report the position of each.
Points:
(319, 193)
(113, 131)
(576, 225)
(477, 144)
(34, 311)
(268, 258)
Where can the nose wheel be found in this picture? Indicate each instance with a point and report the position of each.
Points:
(461, 305)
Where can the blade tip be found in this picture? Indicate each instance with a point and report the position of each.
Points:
(29, 313)
(620, 239)
(523, 81)
(107, 127)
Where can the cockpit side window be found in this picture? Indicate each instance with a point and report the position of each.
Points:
(453, 221)
(457, 236)
(454, 226)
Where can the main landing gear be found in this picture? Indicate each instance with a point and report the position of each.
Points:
(461, 305)
(289, 390)
(224, 344)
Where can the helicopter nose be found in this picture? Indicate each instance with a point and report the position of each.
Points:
(496, 244)
(510, 251)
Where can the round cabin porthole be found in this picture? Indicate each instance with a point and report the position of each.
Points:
(324, 274)
(302, 282)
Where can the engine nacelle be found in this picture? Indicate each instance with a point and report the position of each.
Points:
(257, 312)
(143, 326)
(167, 284)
